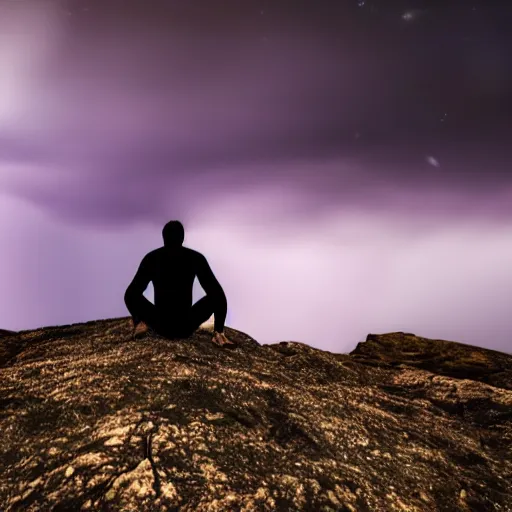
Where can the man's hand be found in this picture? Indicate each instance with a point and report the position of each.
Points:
(219, 338)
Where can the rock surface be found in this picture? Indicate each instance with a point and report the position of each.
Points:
(92, 420)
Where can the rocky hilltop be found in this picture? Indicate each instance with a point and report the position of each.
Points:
(93, 420)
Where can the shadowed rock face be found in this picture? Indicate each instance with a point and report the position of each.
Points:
(92, 420)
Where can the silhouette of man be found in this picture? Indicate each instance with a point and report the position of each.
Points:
(173, 268)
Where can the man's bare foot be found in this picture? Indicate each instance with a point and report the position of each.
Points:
(140, 330)
(219, 338)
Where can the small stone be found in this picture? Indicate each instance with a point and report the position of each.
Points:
(69, 471)
(113, 441)
(110, 494)
(261, 493)
(332, 497)
(463, 494)
(35, 482)
(424, 497)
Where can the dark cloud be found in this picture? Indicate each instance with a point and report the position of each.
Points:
(364, 152)
(137, 107)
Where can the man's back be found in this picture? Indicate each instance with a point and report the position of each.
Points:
(172, 271)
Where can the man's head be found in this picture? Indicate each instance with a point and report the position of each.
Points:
(173, 233)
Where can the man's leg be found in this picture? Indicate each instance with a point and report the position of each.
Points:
(189, 323)
(142, 310)
(199, 313)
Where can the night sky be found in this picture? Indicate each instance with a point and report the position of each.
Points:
(345, 166)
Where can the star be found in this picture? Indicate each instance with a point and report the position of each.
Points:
(432, 161)
(412, 15)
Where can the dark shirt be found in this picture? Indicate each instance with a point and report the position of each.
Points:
(172, 271)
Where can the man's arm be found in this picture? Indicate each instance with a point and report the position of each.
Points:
(212, 287)
(137, 287)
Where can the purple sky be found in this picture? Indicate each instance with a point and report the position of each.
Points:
(363, 146)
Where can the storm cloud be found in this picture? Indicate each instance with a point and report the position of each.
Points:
(308, 132)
